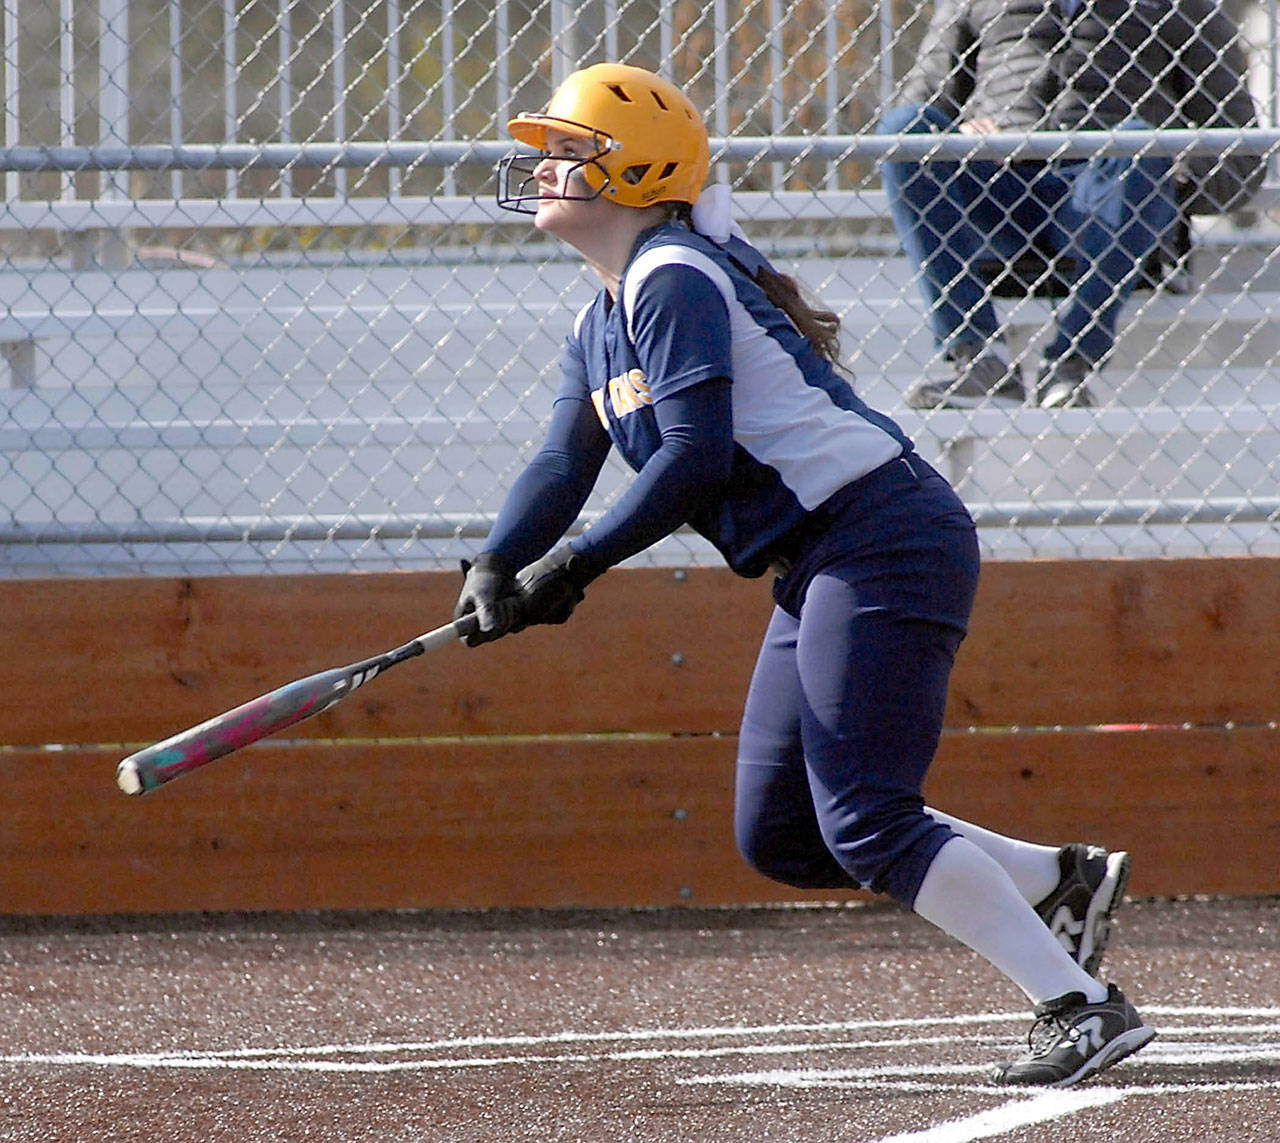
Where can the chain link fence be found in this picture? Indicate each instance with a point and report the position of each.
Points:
(258, 309)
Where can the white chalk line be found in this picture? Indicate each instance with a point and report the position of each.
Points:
(544, 1040)
(1039, 1107)
(643, 1035)
(294, 1059)
(1194, 1040)
(321, 1057)
(712, 1032)
(264, 1060)
(1170, 1053)
(1042, 1108)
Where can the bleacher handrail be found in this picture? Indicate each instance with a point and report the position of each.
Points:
(1029, 145)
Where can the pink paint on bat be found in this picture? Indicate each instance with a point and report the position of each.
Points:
(255, 719)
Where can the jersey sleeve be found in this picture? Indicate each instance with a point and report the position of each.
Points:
(550, 493)
(573, 370)
(679, 326)
(548, 496)
(678, 481)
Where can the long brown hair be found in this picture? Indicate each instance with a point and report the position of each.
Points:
(819, 326)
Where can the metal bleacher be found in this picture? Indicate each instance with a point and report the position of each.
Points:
(245, 397)
(275, 409)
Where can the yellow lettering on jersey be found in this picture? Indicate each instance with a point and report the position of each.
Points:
(597, 399)
(627, 392)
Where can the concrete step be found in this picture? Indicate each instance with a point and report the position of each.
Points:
(117, 458)
(438, 325)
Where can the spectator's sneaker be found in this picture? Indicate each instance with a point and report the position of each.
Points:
(1060, 384)
(1073, 1039)
(979, 378)
(1079, 910)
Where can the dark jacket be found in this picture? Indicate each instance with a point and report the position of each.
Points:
(1027, 66)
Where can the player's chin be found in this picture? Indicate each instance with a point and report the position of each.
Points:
(550, 215)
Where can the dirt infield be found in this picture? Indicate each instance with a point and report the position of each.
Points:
(850, 1023)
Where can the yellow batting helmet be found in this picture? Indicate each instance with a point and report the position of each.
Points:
(650, 142)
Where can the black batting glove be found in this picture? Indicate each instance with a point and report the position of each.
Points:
(489, 590)
(550, 588)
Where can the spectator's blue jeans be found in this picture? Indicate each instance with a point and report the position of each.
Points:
(1106, 215)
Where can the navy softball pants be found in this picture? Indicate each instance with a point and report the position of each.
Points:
(846, 704)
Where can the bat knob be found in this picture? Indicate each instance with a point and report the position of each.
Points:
(127, 777)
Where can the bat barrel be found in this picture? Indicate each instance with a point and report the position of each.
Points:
(284, 707)
(155, 765)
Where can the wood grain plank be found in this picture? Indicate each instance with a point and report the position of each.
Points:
(1104, 641)
(652, 650)
(134, 660)
(1198, 808)
(458, 824)
(602, 821)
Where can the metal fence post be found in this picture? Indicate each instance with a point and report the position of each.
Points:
(108, 249)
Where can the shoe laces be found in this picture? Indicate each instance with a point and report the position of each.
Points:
(1052, 1024)
(1047, 1031)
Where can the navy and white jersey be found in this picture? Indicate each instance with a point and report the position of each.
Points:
(689, 312)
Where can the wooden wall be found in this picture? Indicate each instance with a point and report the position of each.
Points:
(592, 764)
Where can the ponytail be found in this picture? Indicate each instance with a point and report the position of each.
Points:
(819, 327)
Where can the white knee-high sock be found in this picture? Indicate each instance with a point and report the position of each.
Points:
(1034, 868)
(970, 897)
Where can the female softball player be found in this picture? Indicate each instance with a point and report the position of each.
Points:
(714, 379)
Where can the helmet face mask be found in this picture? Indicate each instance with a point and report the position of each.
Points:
(517, 188)
(649, 144)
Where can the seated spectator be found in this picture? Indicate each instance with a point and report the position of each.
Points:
(1057, 65)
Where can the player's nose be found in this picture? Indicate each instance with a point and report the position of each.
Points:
(547, 170)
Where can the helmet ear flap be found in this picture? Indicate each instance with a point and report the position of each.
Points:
(596, 177)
